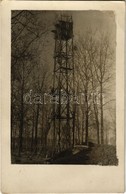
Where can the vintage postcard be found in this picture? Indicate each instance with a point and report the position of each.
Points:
(62, 97)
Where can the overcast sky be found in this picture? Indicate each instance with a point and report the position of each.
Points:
(103, 21)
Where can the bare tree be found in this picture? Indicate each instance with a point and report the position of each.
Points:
(102, 65)
(27, 34)
(94, 58)
(83, 67)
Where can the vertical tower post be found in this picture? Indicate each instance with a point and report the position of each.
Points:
(63, 85)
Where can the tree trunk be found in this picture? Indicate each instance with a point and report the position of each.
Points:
(86, 127)
(12, 136)
(36, 129)
(106, 136)
(97, 125)
(82, 127)
(86, 118)
(21, 124)
(101, 106)
(96, 119)
(32, 138)
(78, 127)
(42, 129)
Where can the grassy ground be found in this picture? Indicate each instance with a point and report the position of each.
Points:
(103, 155)
(93, 155)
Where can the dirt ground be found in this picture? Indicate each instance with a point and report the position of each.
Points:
(93, 155)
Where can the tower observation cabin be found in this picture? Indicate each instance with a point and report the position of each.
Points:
(64, 28)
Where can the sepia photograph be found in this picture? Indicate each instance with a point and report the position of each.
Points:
(62, 96)
(63, 87)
